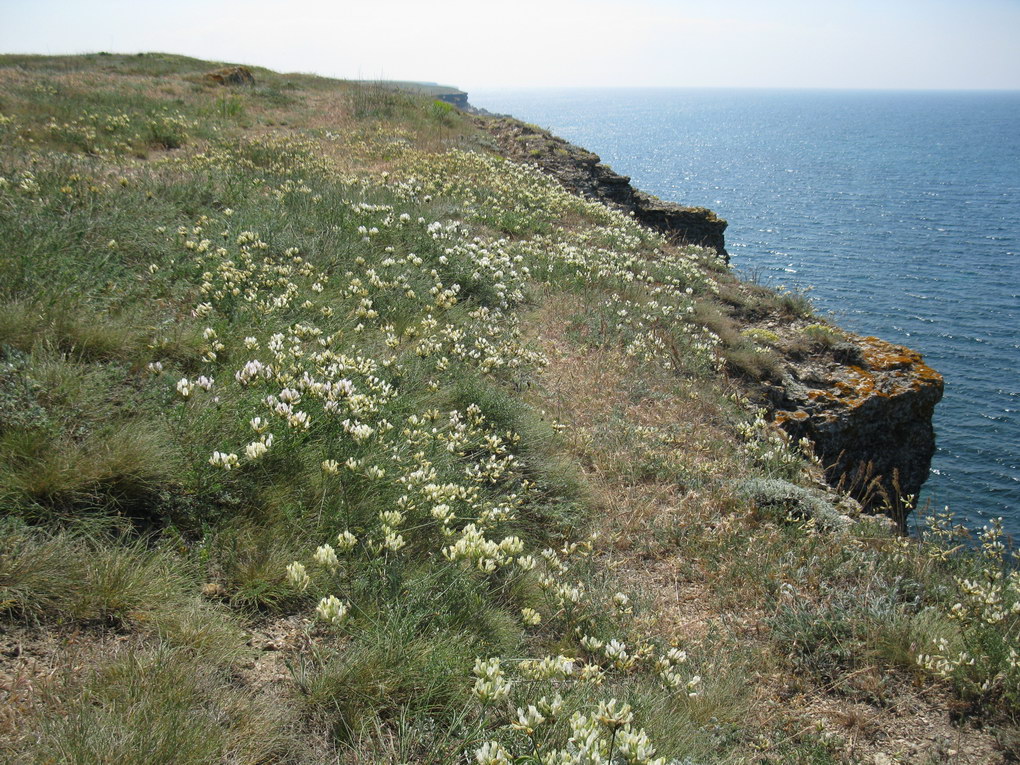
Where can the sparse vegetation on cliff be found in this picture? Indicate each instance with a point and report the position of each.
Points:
(329, 435)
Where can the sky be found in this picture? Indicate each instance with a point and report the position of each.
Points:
(480, 44)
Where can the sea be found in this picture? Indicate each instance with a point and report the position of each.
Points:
(898, 211)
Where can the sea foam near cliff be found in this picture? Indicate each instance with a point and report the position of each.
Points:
(901, 210)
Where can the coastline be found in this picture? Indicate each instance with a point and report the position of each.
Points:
(866, 406)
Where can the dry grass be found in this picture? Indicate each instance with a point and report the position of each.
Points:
(683, 540)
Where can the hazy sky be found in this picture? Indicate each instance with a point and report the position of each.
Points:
(479, 44)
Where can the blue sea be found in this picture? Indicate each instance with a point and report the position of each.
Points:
(899, 211)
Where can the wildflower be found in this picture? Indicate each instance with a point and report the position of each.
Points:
(550, 708)
(492, 753)
(525, 562)
(549, 668)
(616, 652)
(299, 421)
(614, 715)
(636, 747)
(290, 396)
(325, 555)
(490, 684)
(155, 367)
(393, 541)
(330, 609)
(297, 576)
(223, 460)
(391, 518)
(591, 673)
(527, 721)
(531, 617)
(184, 387)
(567, 594)
(345, 541)
(258, 424)
(586, 739)
(330, 467)
(692, 686)
(511, 545)
(205, 383)
(256, 450)
(442, 513)
(676, 656)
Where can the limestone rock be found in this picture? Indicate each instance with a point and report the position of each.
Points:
(868, 411)
(865, 404)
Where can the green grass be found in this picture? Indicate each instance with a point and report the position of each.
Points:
(160, 706)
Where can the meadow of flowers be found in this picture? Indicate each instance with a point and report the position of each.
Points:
(267, 383)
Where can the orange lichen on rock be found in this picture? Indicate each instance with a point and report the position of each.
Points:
(868, 416)
(782, 417)
(888, 371)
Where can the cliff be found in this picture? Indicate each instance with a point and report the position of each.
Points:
(865, 404)
(867, 407)
(584, 173)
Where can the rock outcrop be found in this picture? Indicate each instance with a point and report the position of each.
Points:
(867, 406)
(231, 75)
(584, 173)
(458, 99)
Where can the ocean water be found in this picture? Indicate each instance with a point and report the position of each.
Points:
(900, 211)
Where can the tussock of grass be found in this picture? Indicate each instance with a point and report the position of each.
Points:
(119, 469)
(70, 577)
(161, 706)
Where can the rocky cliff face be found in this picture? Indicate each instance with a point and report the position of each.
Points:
(867, 406)
(583, 172)
(458, 99)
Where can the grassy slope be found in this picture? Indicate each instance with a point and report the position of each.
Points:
(236, 324)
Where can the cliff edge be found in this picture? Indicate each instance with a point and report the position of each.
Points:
(864, 403)
(583, 172)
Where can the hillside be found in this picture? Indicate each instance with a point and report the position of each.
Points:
(328, 434)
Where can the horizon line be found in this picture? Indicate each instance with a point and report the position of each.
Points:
(846, 88)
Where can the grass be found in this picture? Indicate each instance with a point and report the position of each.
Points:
(312, 340)
(158, 707)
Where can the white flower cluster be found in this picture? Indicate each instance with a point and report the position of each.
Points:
(490, 683)
(603, 737)
(986, 662)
